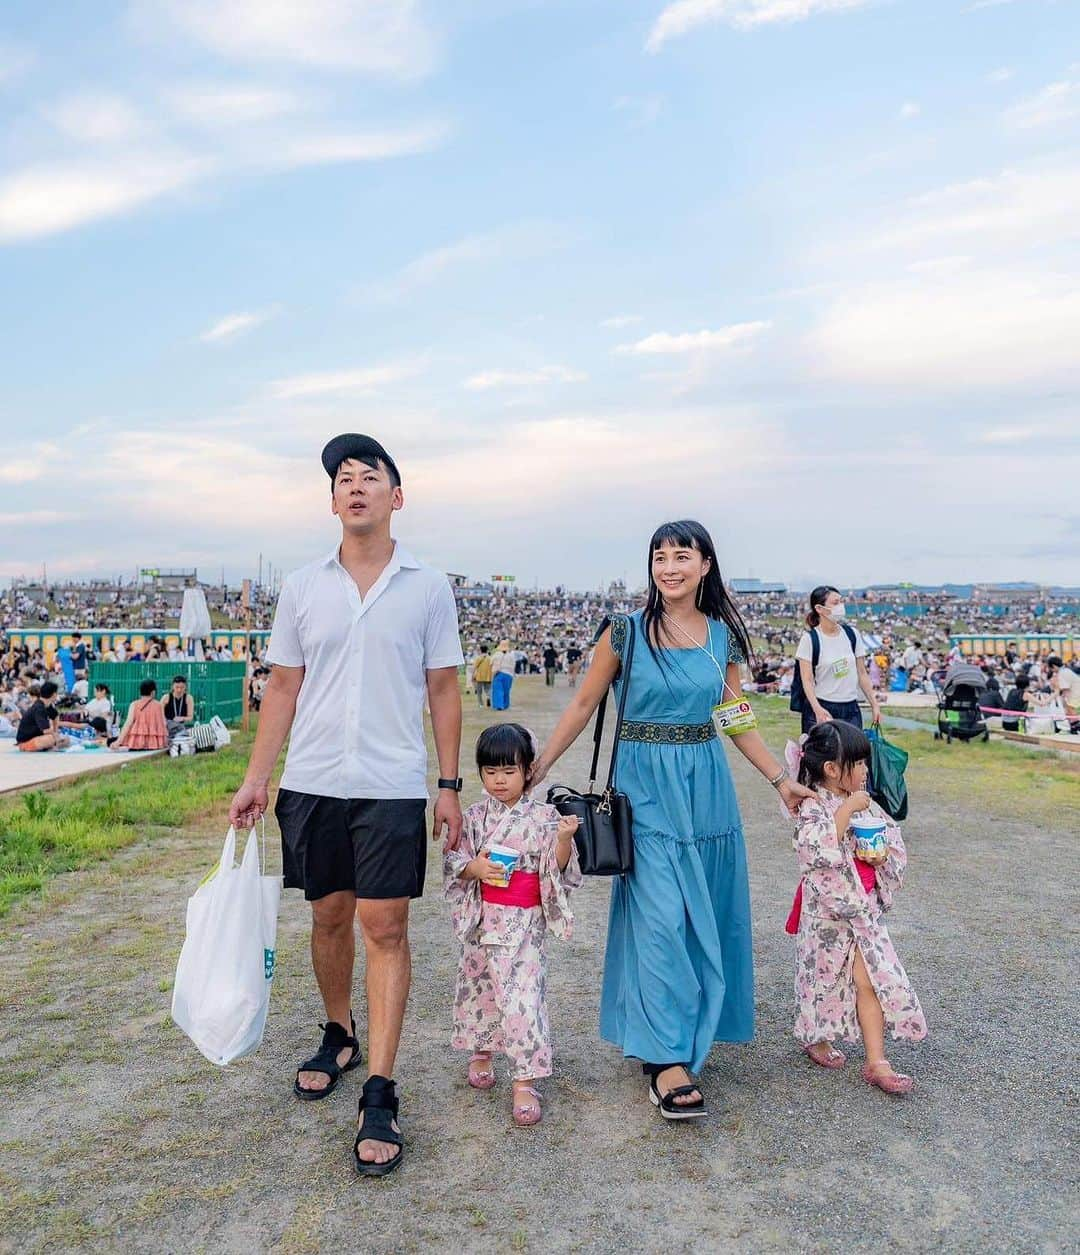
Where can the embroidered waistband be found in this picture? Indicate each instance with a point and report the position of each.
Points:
(667, 733)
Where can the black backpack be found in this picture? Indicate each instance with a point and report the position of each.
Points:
(798, 693)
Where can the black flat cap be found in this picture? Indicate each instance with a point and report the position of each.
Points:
(353, 445)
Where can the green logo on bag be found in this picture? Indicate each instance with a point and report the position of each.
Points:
(268, 964)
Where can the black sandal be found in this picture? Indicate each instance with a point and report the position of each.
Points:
(379, 1105)
(669, 1108)
(335, 1039)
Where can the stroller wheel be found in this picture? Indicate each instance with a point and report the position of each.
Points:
(937, 736)
(986, 736)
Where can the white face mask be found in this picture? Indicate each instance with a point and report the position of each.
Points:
(837, 612)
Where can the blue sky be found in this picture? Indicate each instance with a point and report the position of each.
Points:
(804, 269)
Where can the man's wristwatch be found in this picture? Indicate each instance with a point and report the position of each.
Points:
(451, 784)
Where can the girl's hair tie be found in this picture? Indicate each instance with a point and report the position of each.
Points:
(793, 755)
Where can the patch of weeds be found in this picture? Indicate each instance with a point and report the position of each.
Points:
(87, 819)
(519, 1241)
(477, 1218)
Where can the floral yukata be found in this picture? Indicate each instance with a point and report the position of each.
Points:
(838, 914)
(500, 1003)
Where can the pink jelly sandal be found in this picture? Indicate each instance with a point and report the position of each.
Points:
(833, 1059)
(526, 1112)
(481, 1077)
(882, 1075)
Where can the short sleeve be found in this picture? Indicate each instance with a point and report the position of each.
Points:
(806, 648)
(618, 634)
(735, 651)
(442, 644)
(285, 649)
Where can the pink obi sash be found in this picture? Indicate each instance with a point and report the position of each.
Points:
(867, 875)
(523, 890)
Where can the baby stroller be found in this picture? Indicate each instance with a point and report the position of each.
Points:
(959, 715)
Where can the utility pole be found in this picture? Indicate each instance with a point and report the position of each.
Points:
(245, 599)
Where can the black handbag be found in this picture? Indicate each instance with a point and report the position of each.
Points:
(605, 839)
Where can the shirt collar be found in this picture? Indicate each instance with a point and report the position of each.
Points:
(400, 558)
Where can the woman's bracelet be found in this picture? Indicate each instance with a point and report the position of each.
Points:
(778, 780)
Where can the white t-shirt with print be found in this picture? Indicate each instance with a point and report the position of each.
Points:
(837, 677)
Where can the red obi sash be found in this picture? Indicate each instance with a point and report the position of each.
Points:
(868, 876)
(523, 890)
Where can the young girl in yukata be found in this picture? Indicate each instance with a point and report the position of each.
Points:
(500, 1003)
(848, 979)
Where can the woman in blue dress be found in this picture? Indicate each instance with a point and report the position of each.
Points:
(678, 971)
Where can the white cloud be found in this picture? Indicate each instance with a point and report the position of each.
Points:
(1056, 103)
(43, 200)
(97, 118)
(1019, 205)
(381, 37)
(375, 145)
(619, 321)
(16, 471)
(49, 198)
(36, 518)
(229, 104)
(663, 342)
(686, 15)
(910, 109)
(485, 380)
(1016, 435)
(360, 382)
(234, 325)
(1001, 75)
(513, 242)
(969, 332)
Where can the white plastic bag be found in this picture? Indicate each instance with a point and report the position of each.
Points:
(222, 735)
(222, 990)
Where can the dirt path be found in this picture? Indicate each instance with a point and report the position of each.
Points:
(115, 1134)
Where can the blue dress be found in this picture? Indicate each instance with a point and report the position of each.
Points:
(678, 970)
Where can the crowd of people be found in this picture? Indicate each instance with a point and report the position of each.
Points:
(552, 633)
(134, 606)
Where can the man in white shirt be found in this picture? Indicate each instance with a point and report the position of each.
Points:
(360, 637)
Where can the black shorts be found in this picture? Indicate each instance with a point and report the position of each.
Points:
(373, 847)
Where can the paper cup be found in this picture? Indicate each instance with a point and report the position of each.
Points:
(506, 857)
(869, 835)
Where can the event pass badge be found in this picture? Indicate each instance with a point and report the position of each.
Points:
(733, 717)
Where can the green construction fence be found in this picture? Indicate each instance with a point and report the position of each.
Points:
(217, 687)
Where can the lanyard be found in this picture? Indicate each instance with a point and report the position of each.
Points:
(705, 650)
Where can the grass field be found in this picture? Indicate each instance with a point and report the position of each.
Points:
(42, 833)
(1017, 781)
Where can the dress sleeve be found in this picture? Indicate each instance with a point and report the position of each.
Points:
(618, 634)
(466, 906)
(832, 885)
(556, 884)
(735, 652)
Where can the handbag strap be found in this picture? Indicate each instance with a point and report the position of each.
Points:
(598, 731)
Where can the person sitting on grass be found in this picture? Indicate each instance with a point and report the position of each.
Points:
(144, 728)
(178, 707)
(38, 728)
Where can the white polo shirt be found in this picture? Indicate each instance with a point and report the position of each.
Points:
(359, 725)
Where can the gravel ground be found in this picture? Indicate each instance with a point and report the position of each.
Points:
(115, 1134)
